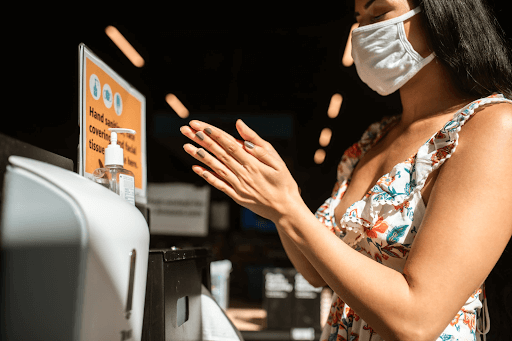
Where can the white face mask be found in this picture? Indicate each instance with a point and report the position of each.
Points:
(384, 58)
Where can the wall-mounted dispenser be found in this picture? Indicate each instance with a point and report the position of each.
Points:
(74, 257)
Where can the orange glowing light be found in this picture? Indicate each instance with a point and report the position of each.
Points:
(319, 156)
(325, 137)
(334, 105)
(176, 105)
(125, 47)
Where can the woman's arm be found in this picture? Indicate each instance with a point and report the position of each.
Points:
(300, 262)
(465, 229)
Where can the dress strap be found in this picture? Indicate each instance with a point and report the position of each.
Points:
(483, 323)
(443, 144)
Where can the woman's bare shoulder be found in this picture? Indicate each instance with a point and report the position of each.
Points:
(496, 115)
(491, 125)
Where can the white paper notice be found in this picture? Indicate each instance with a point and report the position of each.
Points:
(178, 209)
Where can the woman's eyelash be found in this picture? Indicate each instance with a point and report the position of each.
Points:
(379, 16)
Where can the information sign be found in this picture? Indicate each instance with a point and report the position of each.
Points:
(178, 209)
(108, 101)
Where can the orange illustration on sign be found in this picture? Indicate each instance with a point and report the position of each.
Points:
(109, 105)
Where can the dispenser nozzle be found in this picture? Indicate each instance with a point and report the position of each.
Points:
(115, 131)
(113, 152)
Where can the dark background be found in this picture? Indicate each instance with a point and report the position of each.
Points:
(221, 61)
(218, 61)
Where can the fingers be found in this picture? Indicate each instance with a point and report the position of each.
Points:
(256, 146)
(230, 151)
(248, 134)
(261, 154)
(216, 182)
(218, 167)
(224, 146)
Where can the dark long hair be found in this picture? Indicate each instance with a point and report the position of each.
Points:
(468, 40)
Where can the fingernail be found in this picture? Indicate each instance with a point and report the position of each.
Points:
(249, 145)
(200, 135)
(200, 152)
(208, 131)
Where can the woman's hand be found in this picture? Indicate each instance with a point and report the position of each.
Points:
(250, 172)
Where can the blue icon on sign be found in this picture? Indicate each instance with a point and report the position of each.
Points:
(107, 95)
(118, 103)
(95, 88)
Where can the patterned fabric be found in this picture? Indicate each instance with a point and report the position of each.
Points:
(384, 223)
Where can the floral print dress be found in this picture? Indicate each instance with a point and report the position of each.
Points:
(384, 223)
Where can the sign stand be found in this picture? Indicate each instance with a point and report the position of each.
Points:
(106, 100)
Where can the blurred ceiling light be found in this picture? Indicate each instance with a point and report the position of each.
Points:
(334, 106)
(176, 105)
(124, 46)
(347, 55)
(325, 137)
(319, 156)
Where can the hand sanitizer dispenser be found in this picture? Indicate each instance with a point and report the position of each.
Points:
(113, 176)
(74, 257)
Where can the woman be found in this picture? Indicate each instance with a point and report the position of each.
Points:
(407, 261)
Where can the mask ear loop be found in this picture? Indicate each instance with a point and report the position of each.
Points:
(388, 22)
(483, 320)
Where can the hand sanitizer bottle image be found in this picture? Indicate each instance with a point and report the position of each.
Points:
(113, 176)
(95, 89)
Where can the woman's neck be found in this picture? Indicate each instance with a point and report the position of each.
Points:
(430, 94)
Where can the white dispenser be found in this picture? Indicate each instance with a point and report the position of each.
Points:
(114, 176)
(74, 257)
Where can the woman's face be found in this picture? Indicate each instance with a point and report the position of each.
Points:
(369, 12)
